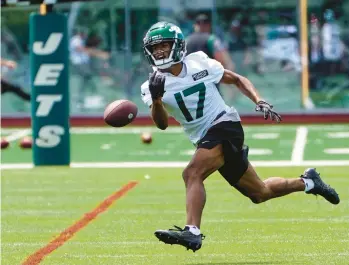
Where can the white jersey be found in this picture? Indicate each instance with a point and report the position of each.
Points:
(78, 57)
(331, 42)
(192, 98)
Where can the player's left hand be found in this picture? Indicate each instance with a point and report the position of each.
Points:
(266, 108)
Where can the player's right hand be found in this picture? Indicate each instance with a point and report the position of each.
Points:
(156, 85)
(266, 108)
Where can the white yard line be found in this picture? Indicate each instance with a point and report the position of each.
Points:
(337, 151)
(17, 135)
(252, 151)
(178, 164)
(259, 151)
(116, 243)
(299, 144)
(338, 135)
(177, 129)
(265, 136)
(16, 166)
(237, 256)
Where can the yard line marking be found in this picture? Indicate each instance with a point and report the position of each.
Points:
(130, 165)
(223, 255)
(259, 151)
(17, 135)
(177, 129)
(263, 136)
(68, 233)
(125, 243)
(180, 164)
(299, 144)
(338, 135)
(16, 166)
(252, 151)
(125, 130)
(189, 152)
(337, 151)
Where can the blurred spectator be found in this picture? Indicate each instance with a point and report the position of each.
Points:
(203, 40)
(236, 42)
(332, 47)
(315, 53)
(315, 39)
(243, 45)
(8, 40)
(282, 45)
(8, 87)
(80, 56)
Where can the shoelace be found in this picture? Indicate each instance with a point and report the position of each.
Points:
(179, 229)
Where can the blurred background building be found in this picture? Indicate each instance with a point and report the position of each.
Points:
(262, 37)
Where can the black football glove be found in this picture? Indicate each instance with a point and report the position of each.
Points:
(266, 108)
(156, 85)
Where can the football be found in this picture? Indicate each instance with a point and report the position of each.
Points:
(26, 142)
(4, 143)
(146, 138)
(120, 113)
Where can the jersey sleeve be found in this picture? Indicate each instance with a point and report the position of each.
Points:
(145, 94)
(215, 69)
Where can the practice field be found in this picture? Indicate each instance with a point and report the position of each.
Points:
(105, 208)
(270, 145)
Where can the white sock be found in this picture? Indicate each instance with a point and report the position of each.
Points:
(194, 229)
(309, 184)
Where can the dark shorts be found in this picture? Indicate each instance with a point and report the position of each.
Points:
(231, 135)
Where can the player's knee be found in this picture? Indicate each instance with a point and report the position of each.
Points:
(190, 174)
(256, 199)
(261, 196)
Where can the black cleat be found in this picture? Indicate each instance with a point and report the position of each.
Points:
(180, 236)
(320, 187)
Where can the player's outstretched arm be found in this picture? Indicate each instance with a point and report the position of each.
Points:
(248, 89)
(244, 85)
(159, 114)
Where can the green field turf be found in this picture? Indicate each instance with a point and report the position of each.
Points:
(39, 204)
(267, 143)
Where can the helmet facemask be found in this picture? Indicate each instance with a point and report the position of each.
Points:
(176, 53)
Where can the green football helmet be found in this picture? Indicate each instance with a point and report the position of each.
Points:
(164, 32)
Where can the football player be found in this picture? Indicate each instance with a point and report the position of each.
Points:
(185, 87)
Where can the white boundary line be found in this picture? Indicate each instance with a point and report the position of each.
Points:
(179, 164)
(177, 129)
(299, 144)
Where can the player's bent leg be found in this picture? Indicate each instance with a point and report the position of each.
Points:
(203, 164)
(260, 191)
